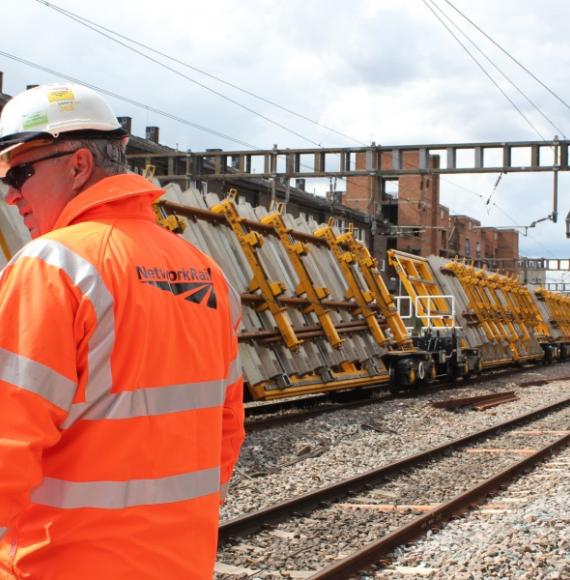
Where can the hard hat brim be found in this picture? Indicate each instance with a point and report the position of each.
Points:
(7, 153)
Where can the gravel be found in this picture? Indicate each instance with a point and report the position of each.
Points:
(522, 533)
(283, 462)
(278, 463)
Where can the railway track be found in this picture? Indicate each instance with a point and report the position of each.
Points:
(280, 413)
(404, 525)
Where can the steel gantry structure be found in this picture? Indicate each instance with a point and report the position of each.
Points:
(496, 157)
(376, 161)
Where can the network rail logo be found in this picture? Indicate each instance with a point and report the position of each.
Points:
(190, 284)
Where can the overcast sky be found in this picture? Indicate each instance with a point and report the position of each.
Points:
(375, 70)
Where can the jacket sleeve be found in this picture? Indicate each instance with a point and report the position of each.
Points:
(233, 433)
(38, 376)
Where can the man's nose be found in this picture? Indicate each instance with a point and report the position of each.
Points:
(12, 196)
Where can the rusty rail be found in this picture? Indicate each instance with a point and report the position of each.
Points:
(494, 402)
(251, 522)
(371, 553)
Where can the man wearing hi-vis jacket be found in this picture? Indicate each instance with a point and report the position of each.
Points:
(121, 413)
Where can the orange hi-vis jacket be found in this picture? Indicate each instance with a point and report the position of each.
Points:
(121, 413)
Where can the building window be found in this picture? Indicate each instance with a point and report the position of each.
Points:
(478, 249)
(392, 188)
(467, 247)
(359, 234)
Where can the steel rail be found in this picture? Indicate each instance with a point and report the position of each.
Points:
(371, 553)
(494, 402)
(248, 523)
(279, 420)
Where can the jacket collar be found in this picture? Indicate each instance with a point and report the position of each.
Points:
(109, 196)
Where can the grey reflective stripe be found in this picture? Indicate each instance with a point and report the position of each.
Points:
(151, 401)
(64, 494)
(3, 532)
(234, 371)
(157, 400)
(37, 378)
(85, 276)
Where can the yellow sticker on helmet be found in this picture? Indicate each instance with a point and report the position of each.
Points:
(60, 95)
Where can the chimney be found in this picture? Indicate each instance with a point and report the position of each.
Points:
(152, 134)
(300, 184)
(126, 123)
(28, 87)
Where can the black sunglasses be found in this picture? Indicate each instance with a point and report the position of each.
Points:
(18, 175)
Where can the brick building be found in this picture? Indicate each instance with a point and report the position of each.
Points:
(418, 223)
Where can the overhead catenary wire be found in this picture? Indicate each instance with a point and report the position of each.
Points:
(176, 117)
(93, 26)
(534, 239)
(134, 102)
(114, 36)
(509, 55)
(485, 72)
(488, 202)
(99, 28)
(169, 115)
(128, 100)
(190, 79)
(501, 72)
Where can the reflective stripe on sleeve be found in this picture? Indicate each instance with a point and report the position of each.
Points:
(37, 378)
(234, 371)
(3, 532)
(85, 276)
(64, 494)
(156, 400)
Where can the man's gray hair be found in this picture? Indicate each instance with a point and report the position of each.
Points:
(109, 154)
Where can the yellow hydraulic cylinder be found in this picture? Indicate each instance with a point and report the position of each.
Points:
(478, 301)
(363, 298)
(368, 267)
(296, 250)
(558, 308)
(250, 242)
(503, 316)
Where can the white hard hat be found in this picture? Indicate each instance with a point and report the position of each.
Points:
(48, 112)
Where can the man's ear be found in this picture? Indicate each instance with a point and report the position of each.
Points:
(82, 168)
